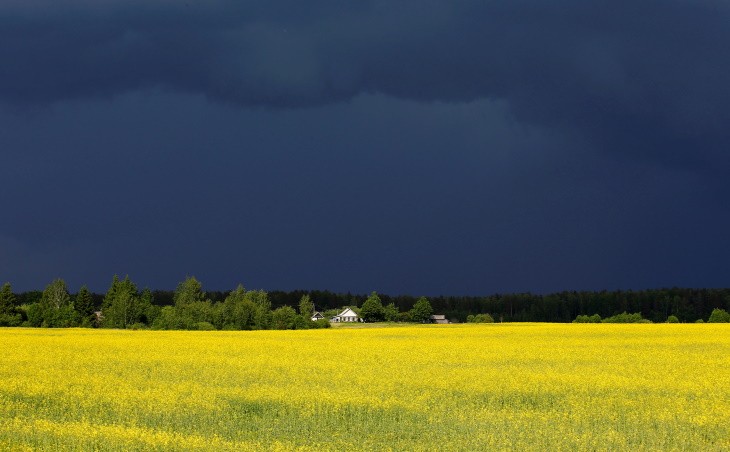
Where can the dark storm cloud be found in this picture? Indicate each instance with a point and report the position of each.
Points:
(425, 146)
(642, 78)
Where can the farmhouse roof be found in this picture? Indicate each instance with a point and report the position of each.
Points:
(347, 313)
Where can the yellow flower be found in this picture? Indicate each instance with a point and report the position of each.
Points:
(459, 387)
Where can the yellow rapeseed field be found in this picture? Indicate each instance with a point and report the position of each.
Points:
(441, 387)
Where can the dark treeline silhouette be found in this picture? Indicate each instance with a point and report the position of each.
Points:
(687, 305)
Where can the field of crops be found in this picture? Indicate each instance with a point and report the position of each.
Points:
(450, 387)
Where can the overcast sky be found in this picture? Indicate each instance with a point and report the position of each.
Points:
(408, 147)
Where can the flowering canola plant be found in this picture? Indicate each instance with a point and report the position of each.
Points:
(424, 387)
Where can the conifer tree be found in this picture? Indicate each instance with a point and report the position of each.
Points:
(7, 300)
(84, 305)
(8, 314)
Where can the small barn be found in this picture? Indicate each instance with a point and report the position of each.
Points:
(348, 315)
(317, 316)
(439, 318)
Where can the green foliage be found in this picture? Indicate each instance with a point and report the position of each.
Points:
(372, 309)
(390, 312)
(151, 311)
(672, 319)
(63, 317)
(190, 312)
(285, 318)
(168, 320)
(188, 291)
(624, 317)
(306, 307)
(56, 295)
(421, 311)
(262, 318)
(8, 312)
(33, 314)
(595, 318)
(321, 323)
(719, 316)
(55, 309)
(329, 313)
(84, 306)
(236, 312)
(123, 306)
(204, 326)
(404, 316)
(11, 319)
(480, 318)
(7, 300)
(243, 310)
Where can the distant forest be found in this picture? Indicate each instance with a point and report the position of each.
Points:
(687, 305)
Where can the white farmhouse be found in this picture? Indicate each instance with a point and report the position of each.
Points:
(348, 315)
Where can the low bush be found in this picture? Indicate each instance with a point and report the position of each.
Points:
(480, 318)
(595, 318)
(625, 317)
(204, 326)
(10, 319)
(719, 316)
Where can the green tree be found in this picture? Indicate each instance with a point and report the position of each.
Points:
(191, 311)
(390, 312)
(122, 306)
(168, 319)
(196, 312)
(56, 308)
(56, 295)
(306, 308)
(243, 310)
(595, 318)
(84, 306)
(188, 291)
(236, 312)
(421, 311)
(625, 317)
(719, 316)
(285, 318)
(486, 318)
(7, 299)
(8, 314)
(262, 314)
(150, 311)
(372, 309)
(672, 319)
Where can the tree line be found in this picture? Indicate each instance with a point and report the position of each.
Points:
(188, 307)
(655, 305)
